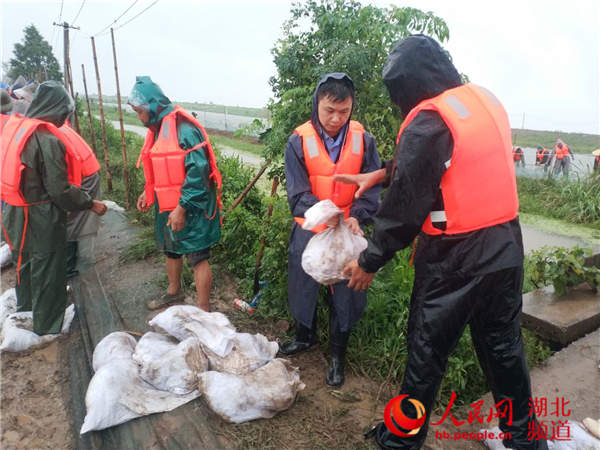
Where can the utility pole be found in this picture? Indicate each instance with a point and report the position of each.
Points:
(66, 70)
(68, 78)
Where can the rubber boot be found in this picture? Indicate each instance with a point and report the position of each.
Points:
(305, 339)
(339, 343)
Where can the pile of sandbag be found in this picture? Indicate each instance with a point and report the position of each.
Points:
(16, 328)
(328, 252)
(190, 353)
(576, 436)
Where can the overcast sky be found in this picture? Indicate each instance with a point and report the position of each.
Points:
(541, 58)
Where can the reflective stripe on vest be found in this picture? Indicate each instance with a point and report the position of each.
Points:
(164, 163)
(16, 133)
(479, 188)
(89, 162)
(321, 168)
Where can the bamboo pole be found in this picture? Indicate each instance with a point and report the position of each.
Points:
(250, 185)
(106, 159)
(123, 146)
(75, 118)
(89, 110)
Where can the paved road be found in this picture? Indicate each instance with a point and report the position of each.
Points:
(247, 158)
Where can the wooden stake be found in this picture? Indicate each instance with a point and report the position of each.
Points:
(106, 159)
(89, 110)
(250, 185)
(263, 240)
(123, 146)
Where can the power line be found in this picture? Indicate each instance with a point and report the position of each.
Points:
(78, 12)
(137, 15)
(114, 21)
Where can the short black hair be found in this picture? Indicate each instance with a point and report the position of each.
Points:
(339, 90)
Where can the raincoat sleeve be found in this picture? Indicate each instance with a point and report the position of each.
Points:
(299, 193)
(419, 163)
(365, 207)
(195, 188)
(54, 175)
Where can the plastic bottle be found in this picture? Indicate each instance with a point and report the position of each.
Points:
(242, 305)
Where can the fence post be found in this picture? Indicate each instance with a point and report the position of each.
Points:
(106, 159)
(123, 146)
(89, 110)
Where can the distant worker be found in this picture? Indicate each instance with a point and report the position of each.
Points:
(596, 160)
(184, 183)
(40, 174)
(561, 155)
(541, 156)
(518, 156)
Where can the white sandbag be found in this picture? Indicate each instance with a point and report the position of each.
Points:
(112, 205)
(170, 365)
(328, 252)
(592, 426)
(5, 255)
(116, 345)
(320, 213)
(250, 351)
(258, 394)
(212, 329)
(17, 334)
(117, 394)
(8, 305)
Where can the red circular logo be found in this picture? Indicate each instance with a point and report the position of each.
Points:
(398, 423)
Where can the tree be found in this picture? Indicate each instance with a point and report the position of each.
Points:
(33, 58)
(340, 36)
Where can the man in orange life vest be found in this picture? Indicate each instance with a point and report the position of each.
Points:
(561, 154)
(183, 181)
(451, 183)
(317, 149)
(37, 200)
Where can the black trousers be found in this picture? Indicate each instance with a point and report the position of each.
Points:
(440, 310)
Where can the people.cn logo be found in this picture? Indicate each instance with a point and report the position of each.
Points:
(398, 423)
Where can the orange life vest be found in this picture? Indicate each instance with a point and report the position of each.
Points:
(517, 154)
(321, 169)
(89, 162)
(164, 162)
(15, 134)
(541, 154)
(561, 152)
(479, 186)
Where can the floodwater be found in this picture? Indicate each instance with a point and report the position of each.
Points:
(581, 166)
(534, 239)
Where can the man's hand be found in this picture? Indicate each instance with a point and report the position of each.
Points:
(98, 207)
(360, 280)
(352, 223)
(142, 205)
(364, 181)
(176, 219)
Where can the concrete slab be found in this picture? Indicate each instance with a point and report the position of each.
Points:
(561, 319)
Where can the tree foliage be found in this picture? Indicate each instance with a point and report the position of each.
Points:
(340, 36)
(33, 58)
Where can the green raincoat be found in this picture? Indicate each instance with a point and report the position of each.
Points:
(198, 192)
(42, 286)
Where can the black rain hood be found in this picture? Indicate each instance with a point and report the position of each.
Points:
(314, 118)
(416, 69)
(51, 103)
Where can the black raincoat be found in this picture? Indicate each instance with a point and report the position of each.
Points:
(44, 182)
(347, 305)
(470, 279)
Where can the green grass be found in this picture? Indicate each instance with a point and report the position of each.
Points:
(577, 202)
(579, 142)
